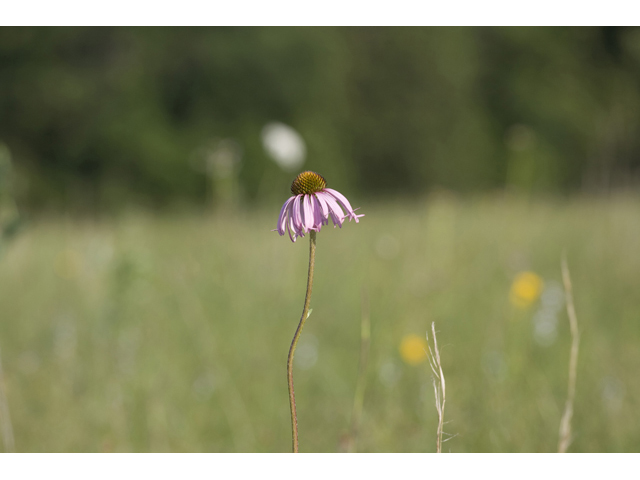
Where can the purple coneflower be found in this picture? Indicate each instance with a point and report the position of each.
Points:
(311, 206)
(306, 212)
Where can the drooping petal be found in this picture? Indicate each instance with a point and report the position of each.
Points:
(341, 198)
(318, 219)
(305, 212)
(356, 217)
(309, 217)
(282, 219)
(345, 203)
(323, 205)
(297, 216)
(337, 215)
(290, 226)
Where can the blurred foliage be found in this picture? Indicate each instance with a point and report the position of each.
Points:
(10, 219)
(105, 117)
(170, 332)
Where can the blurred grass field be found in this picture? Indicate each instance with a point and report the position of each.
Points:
(170, 333)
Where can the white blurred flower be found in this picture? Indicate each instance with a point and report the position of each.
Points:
(553, 296)
(545, 324)
(284, 145)
(545, 321)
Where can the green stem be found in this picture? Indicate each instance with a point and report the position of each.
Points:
(294, 342)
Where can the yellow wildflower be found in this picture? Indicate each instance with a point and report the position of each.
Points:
(525, 289)
(413, 349)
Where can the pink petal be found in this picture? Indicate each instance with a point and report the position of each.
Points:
(317, 214)
(337, 215)
(308, 214)
(305, 212)
(290, 226)
(341, 198)
(325, 209)
(282, 219)
(344, 202)
(297, 215)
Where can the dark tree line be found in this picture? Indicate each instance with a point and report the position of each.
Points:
(101, 117)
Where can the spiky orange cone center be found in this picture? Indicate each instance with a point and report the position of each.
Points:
(307, 183)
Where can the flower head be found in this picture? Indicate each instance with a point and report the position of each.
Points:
(525, 289)
(311, 206)
(413, 349)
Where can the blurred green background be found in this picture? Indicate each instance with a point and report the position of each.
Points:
(145, 305)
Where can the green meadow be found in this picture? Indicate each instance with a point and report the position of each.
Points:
(159, 333)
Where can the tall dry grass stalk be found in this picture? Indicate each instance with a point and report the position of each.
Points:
(438, 384)
(358, 398)
(565, 423)
(5, 417)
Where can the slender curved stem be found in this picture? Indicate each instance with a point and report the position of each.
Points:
(294, 342)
